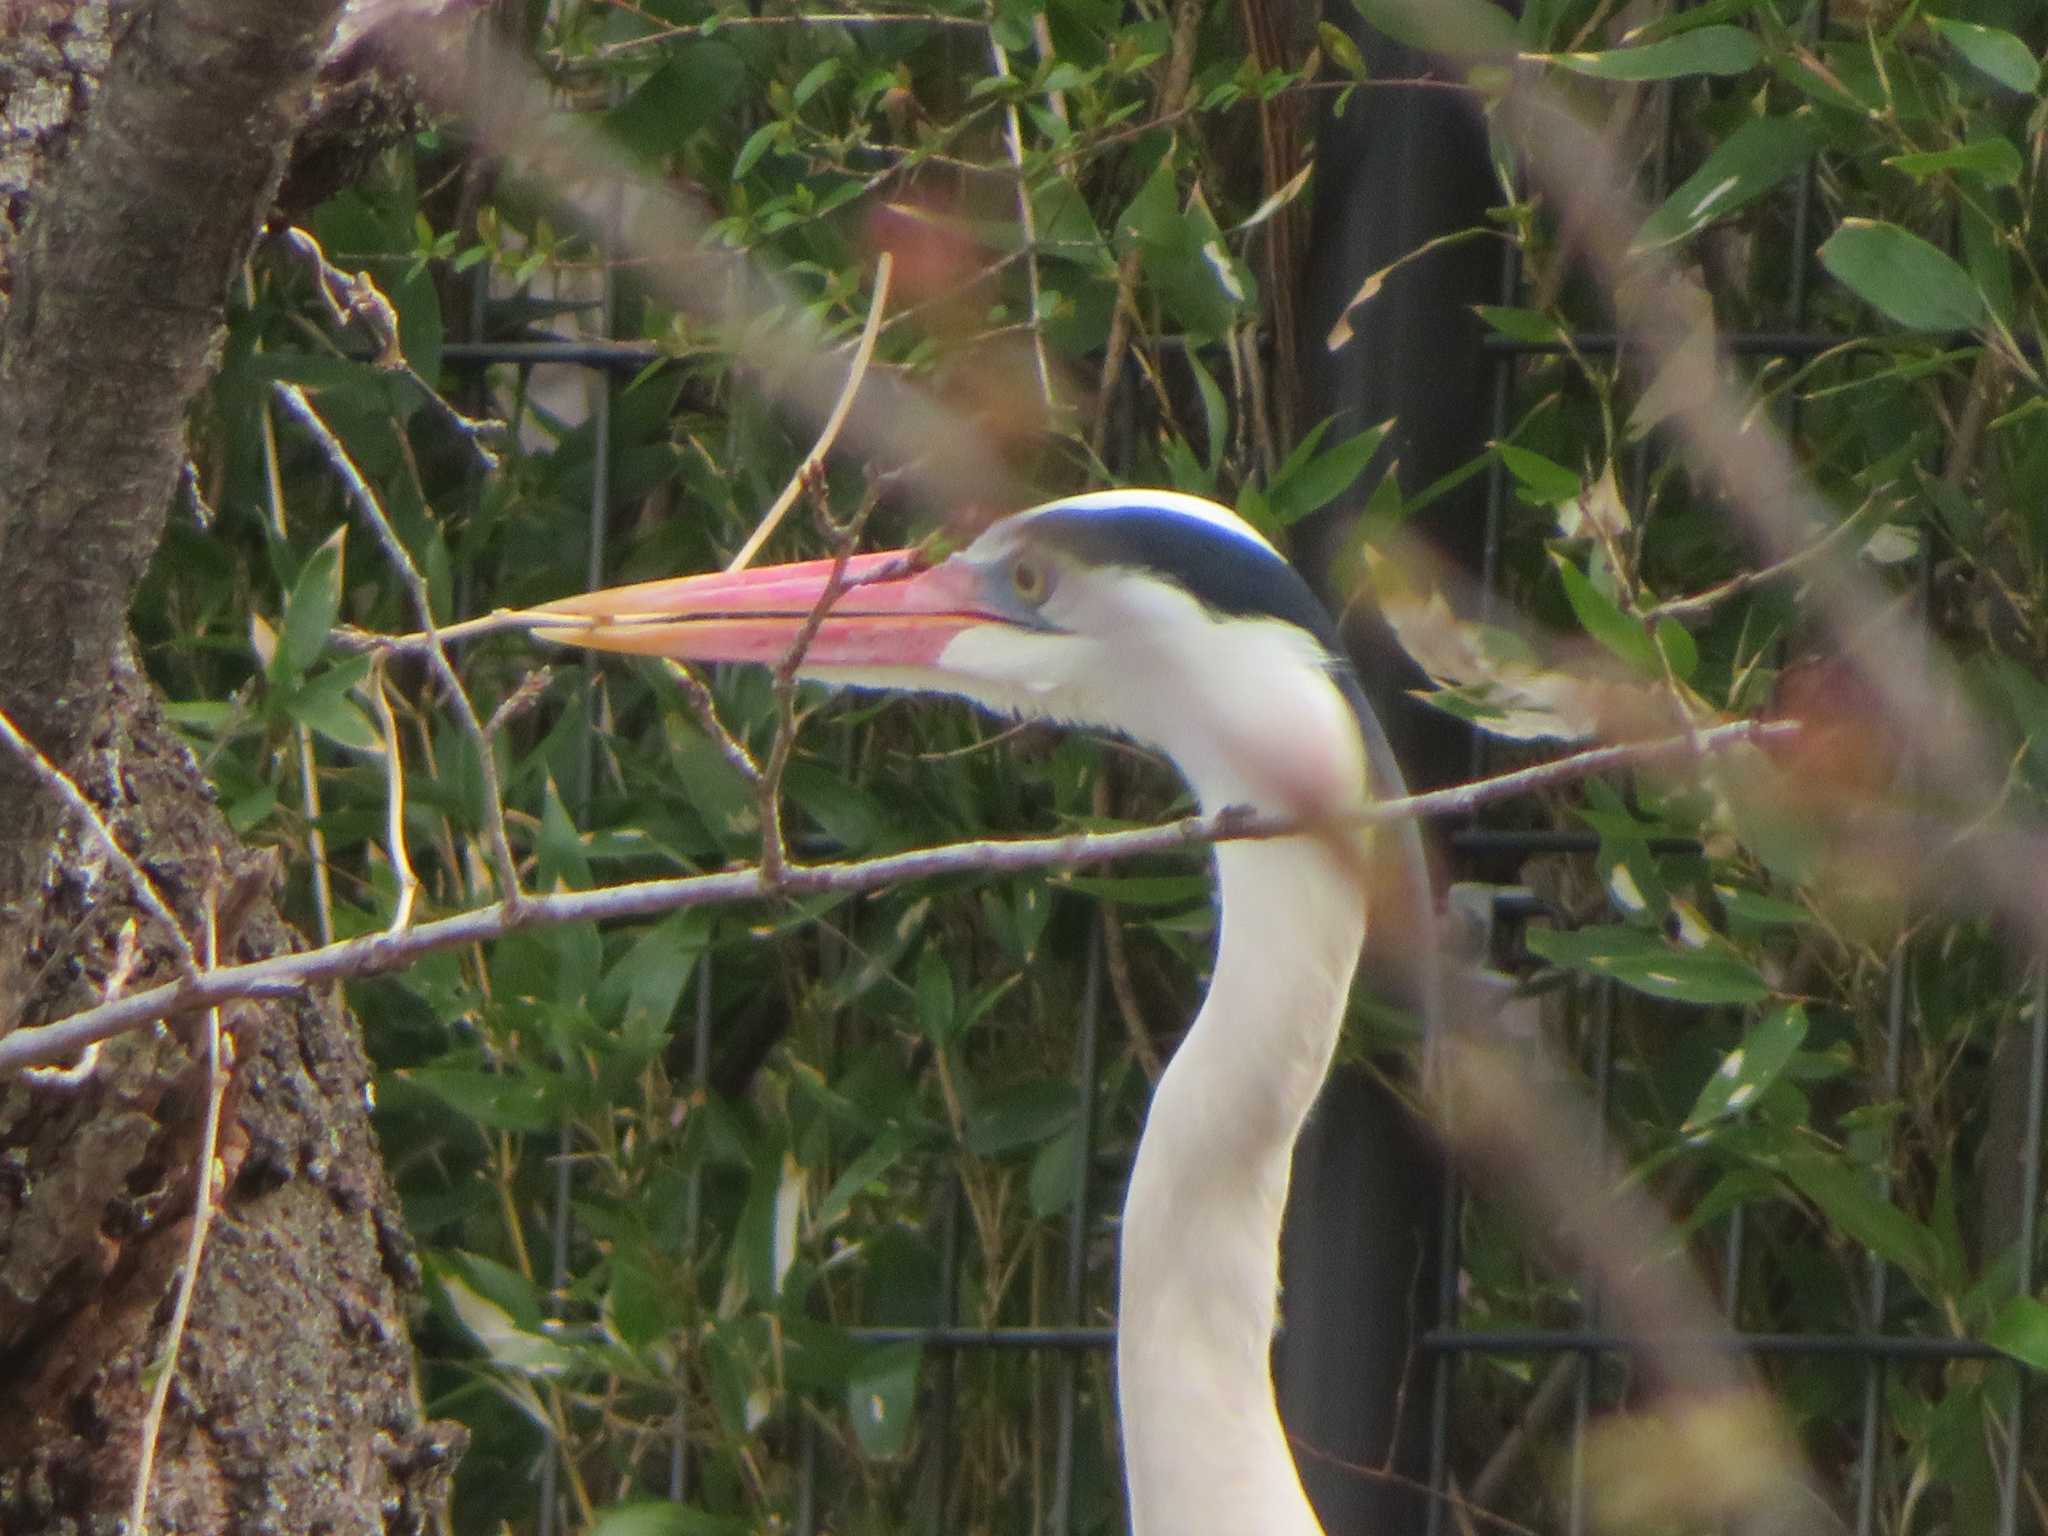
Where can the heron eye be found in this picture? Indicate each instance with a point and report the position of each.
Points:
(1031, 579)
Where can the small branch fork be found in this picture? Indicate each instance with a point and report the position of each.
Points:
(774, 854)
(370, 954)
(353, 296)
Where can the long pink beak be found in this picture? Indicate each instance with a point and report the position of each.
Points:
(891, 612)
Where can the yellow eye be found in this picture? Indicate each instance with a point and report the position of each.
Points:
(1030, 579)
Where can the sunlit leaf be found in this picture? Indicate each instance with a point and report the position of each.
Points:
(2021, 1330)
(1750, 1068)
(1992, 158)
(503, 1340)
(1902, 276)
(1997, 53)
(1702, 51)
(881, 1396)
(664, 1517)
(1756, 157)
(310, 611)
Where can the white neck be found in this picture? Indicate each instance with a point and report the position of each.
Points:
(1203, 1447)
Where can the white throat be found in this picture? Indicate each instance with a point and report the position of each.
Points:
(1203, 1446)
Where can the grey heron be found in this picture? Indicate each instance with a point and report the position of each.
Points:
(1168, 619)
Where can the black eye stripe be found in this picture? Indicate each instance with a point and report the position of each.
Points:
(1224, 571)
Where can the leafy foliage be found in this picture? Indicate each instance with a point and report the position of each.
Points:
(664, 1173)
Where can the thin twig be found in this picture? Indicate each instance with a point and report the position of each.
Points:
(705, 708)
(316, 839)
(1699, 603)
(371, 954)
(219, 1054)
(394, 805)
(503, 864)
(143, 888)
(774, 855)
(127, 951)
(1180, 70)
(519, 700)
(815, 459)
(1027, 222)
(420, 642)
(356, 296)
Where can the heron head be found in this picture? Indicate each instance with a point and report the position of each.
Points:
(1155, 614)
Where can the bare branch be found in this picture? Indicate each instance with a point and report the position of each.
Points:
(394, 803)
(705, 708)
(219, 1054)
(356, 296)
(371, 954)
(1027, 222)
(769, 781)
(338, 459)
(814, 461)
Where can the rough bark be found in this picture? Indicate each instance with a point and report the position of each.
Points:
(293, 1407)
(120, 284)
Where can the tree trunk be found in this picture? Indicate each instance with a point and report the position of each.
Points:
(139, 148)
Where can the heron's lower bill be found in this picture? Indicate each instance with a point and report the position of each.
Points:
(888, 612)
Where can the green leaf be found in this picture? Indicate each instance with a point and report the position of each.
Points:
(310, 611)
(1993, 159)
(1322, 479)
(1681, 651)
(687, 94)
(936, 1011)
(1998, 54)
(1142, 890)
(639, 1309)
(640, 991)
(507, 1344)
(1702, 976)
(1642, 959)
(1902, 276)
(499, 1100)
(815, 79)
(1702, 51)
(663, 1517)
(862, 1173)
(1182, 255)
(1748, 163)
(1850, 1201)
(1603, 619)
(764, 1244)
(322, 704)
(758, 144)
(2021, 1330)
(1530, 325)
(1750, 1068)
(1543, 482)
(1021, 1116)
(1052, 1173)
(881, 1394)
